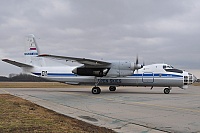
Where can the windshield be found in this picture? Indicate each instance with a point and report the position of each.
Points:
(169, 68)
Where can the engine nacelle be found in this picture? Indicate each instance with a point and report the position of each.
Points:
(119, 73)
(98, 72)
(126, 65)
(123, 68)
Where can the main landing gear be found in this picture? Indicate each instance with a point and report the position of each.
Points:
(112, 88)
(167, 90)
(97, 90)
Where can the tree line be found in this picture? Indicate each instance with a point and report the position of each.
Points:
(22, 78)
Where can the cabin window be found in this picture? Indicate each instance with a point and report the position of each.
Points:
(186, 79)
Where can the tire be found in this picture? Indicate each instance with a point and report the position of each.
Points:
(166, 90)
(96, 90)
(112, 88)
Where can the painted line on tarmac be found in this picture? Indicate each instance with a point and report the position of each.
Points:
(5, 91)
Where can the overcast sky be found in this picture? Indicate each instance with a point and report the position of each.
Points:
(158, 31)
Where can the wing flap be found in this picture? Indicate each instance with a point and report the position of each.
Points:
(84, 61)
(19, 64)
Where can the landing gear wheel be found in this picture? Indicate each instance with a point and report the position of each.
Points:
(166, 90)
(112, 88)
(96, 90)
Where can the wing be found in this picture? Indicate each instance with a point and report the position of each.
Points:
(19, 64)
(84, 61)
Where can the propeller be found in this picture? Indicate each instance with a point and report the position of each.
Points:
(137, 65)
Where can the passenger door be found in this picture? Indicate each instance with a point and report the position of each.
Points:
(148, 77)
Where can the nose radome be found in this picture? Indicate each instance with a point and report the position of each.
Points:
(189, 78)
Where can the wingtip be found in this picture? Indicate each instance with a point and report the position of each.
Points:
(4, 59)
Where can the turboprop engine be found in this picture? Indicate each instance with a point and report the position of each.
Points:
(115, 69)
(123, 68)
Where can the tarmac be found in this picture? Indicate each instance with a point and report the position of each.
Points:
(127, 110)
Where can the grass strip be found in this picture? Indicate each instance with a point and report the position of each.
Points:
(21, 116)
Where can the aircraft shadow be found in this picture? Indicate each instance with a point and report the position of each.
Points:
(104, 92)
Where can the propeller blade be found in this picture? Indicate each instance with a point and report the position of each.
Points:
(137, 65)
(137, 60)
(143, 64)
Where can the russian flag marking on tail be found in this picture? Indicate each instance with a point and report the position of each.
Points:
(33, 51)
(32, 48)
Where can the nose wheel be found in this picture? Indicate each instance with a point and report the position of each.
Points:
(167, 90)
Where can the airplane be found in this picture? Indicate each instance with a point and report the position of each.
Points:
(102, 73)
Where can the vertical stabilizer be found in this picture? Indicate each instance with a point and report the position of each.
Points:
(32, 51)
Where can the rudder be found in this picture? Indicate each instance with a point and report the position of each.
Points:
(32, 51)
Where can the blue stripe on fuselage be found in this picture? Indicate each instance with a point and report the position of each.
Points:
(156, 75)
(61, 74)
(57, 74)
(134, 75)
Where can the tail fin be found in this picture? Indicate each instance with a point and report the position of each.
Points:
(32, 51)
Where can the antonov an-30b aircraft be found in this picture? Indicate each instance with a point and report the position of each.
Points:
(102, 73)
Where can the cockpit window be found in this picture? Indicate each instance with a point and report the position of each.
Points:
(167, 66)
(174, 70)
(164, 67)
(171, 69)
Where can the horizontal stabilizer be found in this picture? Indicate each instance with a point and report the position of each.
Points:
(16, 63)
(84, 61)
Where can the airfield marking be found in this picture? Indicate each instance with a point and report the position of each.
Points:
(196, 95)
(5, 91)
(136, 103)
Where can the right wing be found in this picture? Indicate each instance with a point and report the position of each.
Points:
(19, 64)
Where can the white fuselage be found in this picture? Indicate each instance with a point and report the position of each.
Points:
(150, 75)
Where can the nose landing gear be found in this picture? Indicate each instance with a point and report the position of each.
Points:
(167, 90)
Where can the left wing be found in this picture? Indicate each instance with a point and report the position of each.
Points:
(84, 61)
(19, 64)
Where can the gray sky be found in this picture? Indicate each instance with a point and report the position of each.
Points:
(159, 31)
